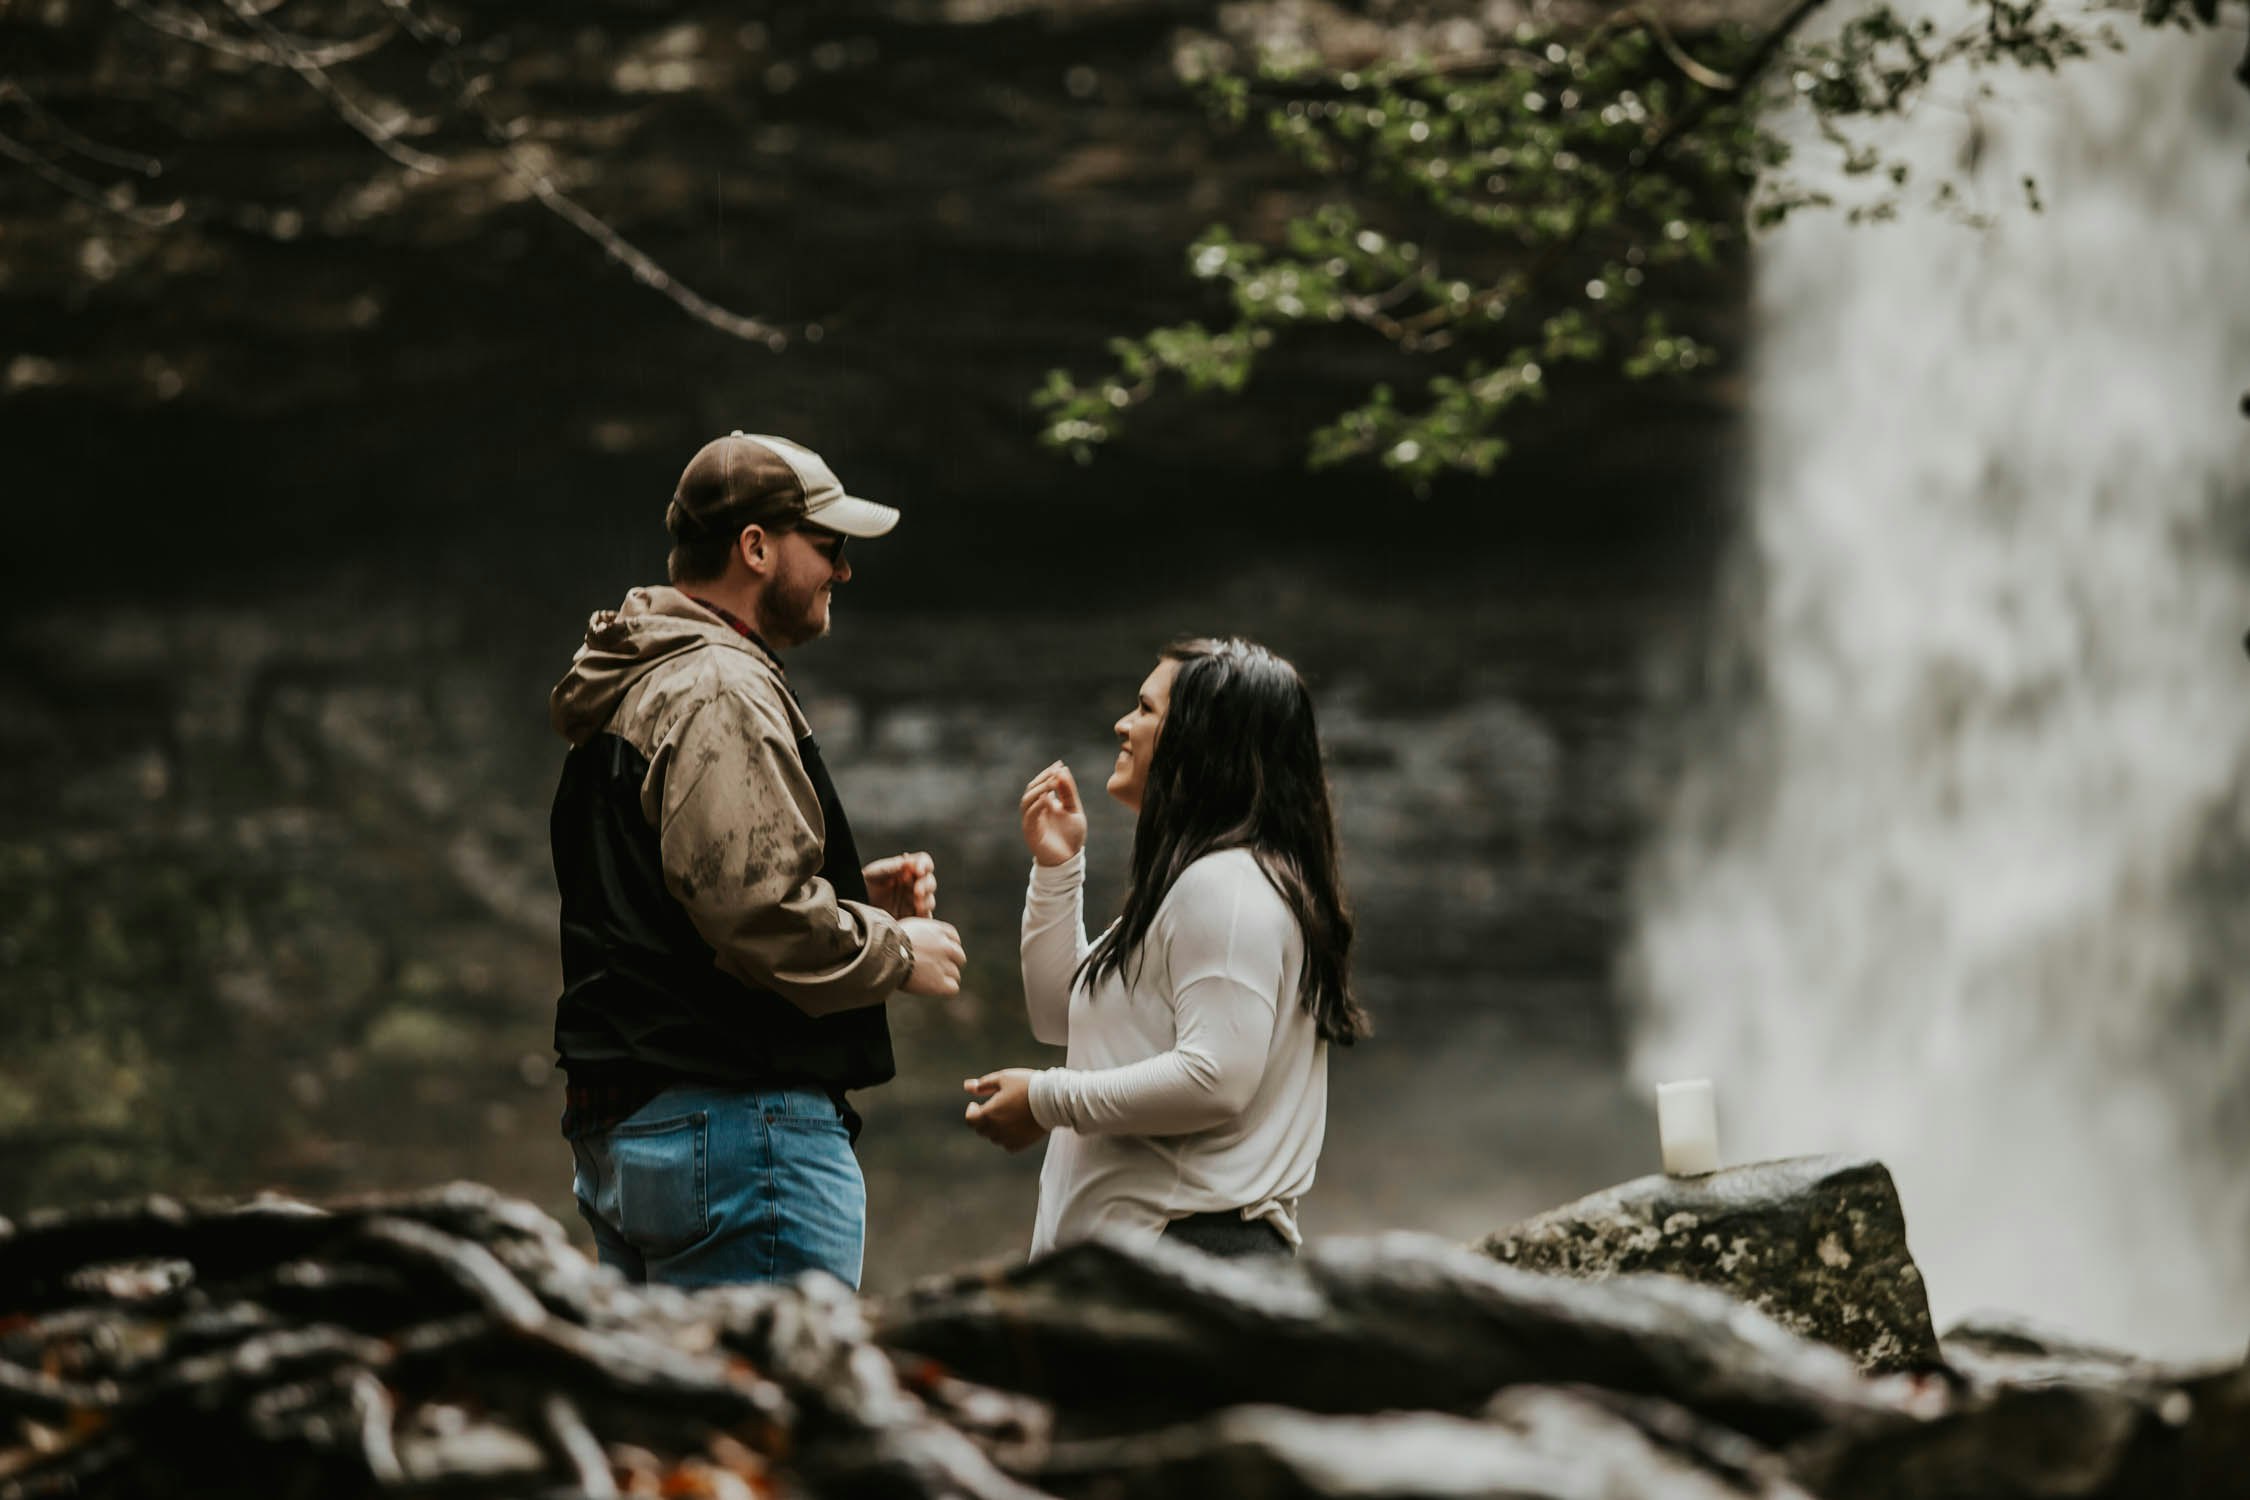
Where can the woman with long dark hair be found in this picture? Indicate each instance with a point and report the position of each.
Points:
(1195, 1094)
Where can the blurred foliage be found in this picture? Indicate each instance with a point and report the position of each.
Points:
(1575, 177)
(148, 979)
(237, 948)
(85, 1057)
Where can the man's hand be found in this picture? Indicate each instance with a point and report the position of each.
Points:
(937, 957)
(905, 885)
(1000, 1110)
(1054, 821)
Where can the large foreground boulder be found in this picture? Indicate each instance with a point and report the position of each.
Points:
(2052, 1437)
(454, 1343)
(1359, 1372)
(1535, 1441)
(1816, 1242)
(1119, 1335)
(443, 1343)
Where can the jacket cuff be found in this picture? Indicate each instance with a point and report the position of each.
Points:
(888, 946)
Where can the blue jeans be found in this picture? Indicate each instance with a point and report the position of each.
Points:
(704, 1185)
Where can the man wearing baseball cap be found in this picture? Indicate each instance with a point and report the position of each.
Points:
(726, 958)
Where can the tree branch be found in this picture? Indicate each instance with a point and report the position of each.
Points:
(1332, 85)
(1689, 68)
(86, 192)
(418, 27)
(310, 60)
(71, 140)
(187, 27)
(1750, 70)
(556, 201)
(645, 270)
(382, 137)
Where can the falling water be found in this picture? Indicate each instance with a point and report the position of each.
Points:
(1957, 872)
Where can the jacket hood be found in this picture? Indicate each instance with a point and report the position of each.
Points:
(652, 626)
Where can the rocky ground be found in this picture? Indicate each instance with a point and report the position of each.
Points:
(453, 1343)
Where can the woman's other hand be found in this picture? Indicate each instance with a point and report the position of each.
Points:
(1000, 1107)
(1054, 820)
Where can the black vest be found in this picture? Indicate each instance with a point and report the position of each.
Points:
(644, 1002)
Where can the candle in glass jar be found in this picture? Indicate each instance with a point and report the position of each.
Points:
(1687, 1123)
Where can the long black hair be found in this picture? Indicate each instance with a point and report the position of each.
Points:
(1237, 766)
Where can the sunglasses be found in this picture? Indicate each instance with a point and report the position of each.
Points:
(829, 544)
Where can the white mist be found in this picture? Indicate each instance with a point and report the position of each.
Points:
(1959, 874)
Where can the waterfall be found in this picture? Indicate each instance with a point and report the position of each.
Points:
(1954, 868)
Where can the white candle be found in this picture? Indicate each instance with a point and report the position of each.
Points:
(1687, 1122)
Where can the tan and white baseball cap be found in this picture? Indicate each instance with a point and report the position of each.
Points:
(752, 479)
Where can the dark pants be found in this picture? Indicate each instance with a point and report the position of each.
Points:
(1229, 1236)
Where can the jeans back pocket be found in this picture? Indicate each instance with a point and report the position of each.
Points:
(662, 1202)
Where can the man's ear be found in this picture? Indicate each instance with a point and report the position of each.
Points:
(755, 547)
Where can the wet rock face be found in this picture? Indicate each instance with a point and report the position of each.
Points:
(1818, 1243)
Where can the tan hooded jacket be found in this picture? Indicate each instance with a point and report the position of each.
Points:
(737, 818)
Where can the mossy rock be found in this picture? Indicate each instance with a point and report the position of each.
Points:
(1817, 1242)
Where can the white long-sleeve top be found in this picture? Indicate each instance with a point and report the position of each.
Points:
(1195, 1082)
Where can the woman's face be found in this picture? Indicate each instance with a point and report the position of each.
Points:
(1136, 735)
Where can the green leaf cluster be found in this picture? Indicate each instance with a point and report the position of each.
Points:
(1499, 217)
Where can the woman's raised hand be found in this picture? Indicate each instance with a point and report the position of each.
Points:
(1054, 820)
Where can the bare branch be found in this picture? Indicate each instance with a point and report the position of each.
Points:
(378, 135)
(310, 60)
(1334, 85)
(117, 199)
(78, 187)
(645, 270)
(1747, 73)
(71, 140)
(504, 136)
(1694, 71)
(421, 29)
(188, 27)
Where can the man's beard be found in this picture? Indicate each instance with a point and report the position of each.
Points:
(789, 616)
